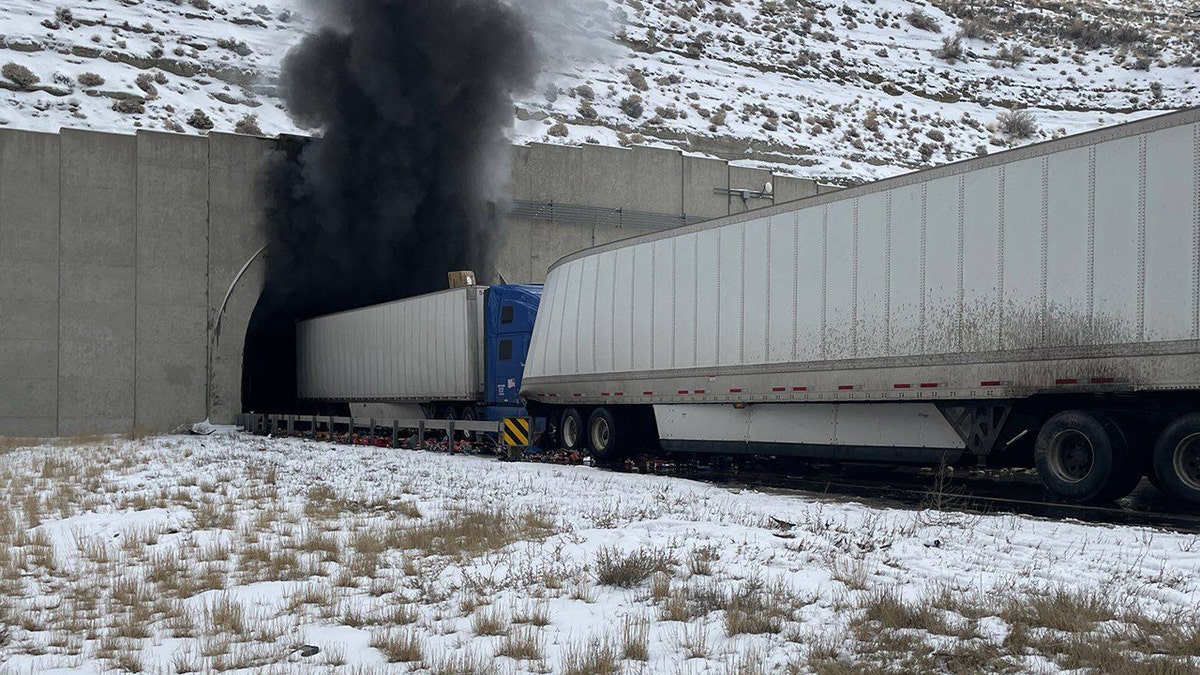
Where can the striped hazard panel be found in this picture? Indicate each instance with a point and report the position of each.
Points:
(516, 431)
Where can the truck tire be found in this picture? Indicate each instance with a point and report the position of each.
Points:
(604, 434)
(449, 413)
(1177, 459)
(469, 415)
(1083, 457)
(570, 430)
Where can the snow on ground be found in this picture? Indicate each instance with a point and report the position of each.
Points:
(182, 554)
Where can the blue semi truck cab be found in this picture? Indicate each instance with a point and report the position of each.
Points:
(508, 328)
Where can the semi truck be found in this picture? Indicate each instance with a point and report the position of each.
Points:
(457, 354)
(1039, 305)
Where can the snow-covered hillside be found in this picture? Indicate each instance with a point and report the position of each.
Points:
(842, 91)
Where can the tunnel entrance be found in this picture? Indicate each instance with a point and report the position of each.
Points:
(269, 364)
(324, 258)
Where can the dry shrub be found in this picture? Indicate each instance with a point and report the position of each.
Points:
(922, 21)
(19, 75)
(398, 645)
(1011, 56)
(756, 609)
(491, 621)
(1017, 124)
(976, 29)
(638, 80)
(461, 663)
(533, 614)
(212, 515)
(632, 106)
(850, 571)
(700, 560)
(1060, 609)
(521, 644)
(248, 125)
(472, 533)
(660, 587)
(225, 616)
(951, 49)
(626, 570)
(594, 657)
(316, 541)
(199, 120)
(886, 608)
(635, 638)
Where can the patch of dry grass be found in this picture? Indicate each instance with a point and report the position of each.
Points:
(398, 645)
(522, 644)
(466, 662)
(593, 657)
(471, 533)
(490, 621)
(1076, 630)
(629, 569)
(635, 638)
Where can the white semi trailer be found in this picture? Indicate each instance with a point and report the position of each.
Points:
(1039, 304)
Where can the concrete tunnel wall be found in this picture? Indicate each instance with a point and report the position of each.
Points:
(117, 252)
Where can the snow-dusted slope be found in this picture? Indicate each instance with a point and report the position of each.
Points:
(219, 57)
(843, 91)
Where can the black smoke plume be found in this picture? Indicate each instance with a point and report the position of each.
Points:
(410, 101)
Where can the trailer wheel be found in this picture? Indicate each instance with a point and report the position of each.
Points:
(1177, 459)
(603, 434)
(570, 430)
(449, 413)
(469, 415)
(1083, 457)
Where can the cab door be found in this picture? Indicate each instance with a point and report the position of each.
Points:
(508, 364)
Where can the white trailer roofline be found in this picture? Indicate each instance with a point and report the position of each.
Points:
(1044, 148)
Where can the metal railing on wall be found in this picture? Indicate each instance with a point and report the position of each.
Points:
(598, 215)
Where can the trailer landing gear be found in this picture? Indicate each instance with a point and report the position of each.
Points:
(1083, 456)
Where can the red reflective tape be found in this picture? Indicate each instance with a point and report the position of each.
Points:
(682, 391)
(698, 391)
(735, 391)
(990, 383)
(606, 394)
(1103, 380)
(930, 385)
(619, 393)
(647, 393)
(577, 395)
(846, 387)
(901, 386)
(1067, 381)
(779, 389)
(799, 388)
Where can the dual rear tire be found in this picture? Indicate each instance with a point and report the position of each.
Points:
(602, 433)
(1084, 456)
(1176, 464)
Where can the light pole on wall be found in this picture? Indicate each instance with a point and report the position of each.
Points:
(214, 333)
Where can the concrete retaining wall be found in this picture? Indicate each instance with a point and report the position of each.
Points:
(118, 253)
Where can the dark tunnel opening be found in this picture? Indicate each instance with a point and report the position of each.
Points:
(405, 179)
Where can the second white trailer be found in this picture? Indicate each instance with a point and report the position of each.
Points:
(1050, 293)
